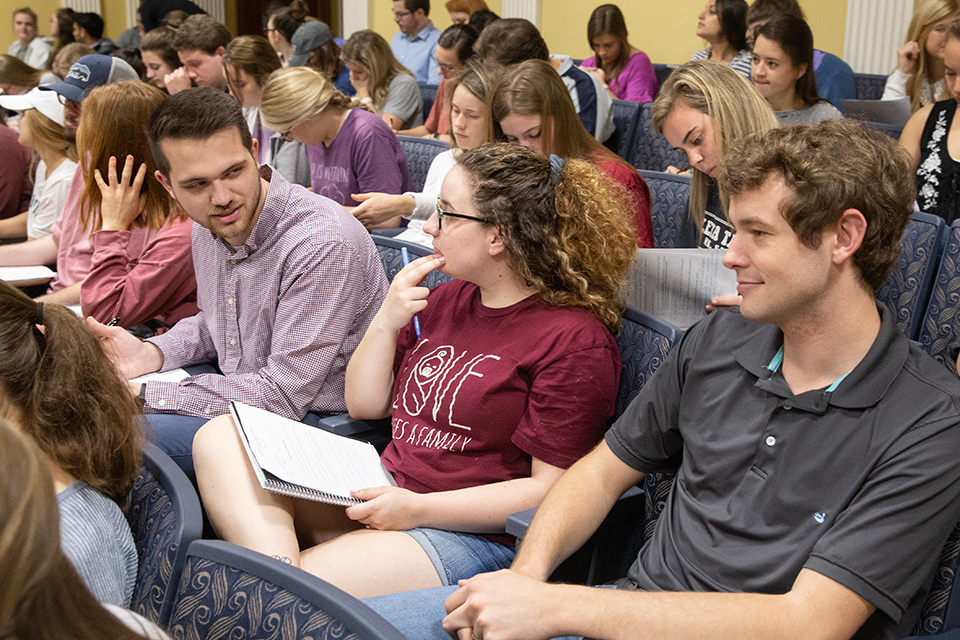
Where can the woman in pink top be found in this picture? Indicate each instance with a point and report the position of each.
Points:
(142, 265)
(531, 106)
(624, 70)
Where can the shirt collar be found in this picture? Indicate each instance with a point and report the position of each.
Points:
(420, 35)
(863, 387)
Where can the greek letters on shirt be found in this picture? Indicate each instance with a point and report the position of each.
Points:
(437, 374)
(717, 233)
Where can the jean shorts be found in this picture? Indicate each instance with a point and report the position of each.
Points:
(457, 556)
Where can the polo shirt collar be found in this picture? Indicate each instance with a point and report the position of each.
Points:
(863, 387)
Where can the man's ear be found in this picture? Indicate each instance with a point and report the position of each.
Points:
(162, 179)
(254, 146)
(850, 232)
(220, 51)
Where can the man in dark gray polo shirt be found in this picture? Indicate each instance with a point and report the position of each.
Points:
(816, 446)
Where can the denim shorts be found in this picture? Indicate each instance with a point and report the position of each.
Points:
(457, 556)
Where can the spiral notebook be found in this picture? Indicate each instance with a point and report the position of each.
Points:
(301, 461)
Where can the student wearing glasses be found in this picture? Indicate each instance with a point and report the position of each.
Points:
(512, 379)
(350, 149)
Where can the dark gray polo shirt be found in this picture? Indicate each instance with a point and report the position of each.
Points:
(861, 485)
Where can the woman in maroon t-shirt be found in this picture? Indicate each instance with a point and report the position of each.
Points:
(506, 377)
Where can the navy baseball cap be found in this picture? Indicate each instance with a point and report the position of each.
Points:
(90, 72)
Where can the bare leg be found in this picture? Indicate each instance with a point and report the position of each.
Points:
(242, 512)
(368, 563)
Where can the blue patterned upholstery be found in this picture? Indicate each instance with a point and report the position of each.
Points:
(941, 611)
(392, 258)
(869, 86)
(644, 341)
(420, 153)
(626, 115)
(651, 151)
(941, 323)
(429, 93)
(668, 210)
(906, 290)
(233, 593)
(663, 72)
(164, 515)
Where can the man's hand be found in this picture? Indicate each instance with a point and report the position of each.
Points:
(130, 356)
(386, 508)
(177, 80)
(500, 606)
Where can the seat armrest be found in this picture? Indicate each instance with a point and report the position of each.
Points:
(518, 523)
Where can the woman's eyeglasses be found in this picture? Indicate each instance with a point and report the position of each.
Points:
(441, 213)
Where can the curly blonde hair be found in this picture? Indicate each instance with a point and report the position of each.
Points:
(569, 233)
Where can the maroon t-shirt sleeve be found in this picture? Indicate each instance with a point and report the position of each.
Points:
(569, 404)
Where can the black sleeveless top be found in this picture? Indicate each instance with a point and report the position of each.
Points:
(938, 175)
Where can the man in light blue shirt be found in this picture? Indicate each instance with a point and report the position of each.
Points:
(416, 43)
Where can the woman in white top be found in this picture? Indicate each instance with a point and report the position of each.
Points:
(723, 24)
(382, 82)
(919, 72)
(41, 129)
(467, 124)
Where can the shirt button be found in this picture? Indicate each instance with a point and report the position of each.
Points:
(771, 441)
(161, 403)
(230, 301)
(787, 408)
(207, 411)
(233, 341)
(233, 261)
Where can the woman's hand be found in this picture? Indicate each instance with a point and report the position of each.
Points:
(907, 56)
(386, 508)
(723, 301)
(597, 73)
(405, 297)
(377, 208)
(121, 201)
(359, 81)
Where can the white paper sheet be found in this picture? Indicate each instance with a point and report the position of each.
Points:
(676, 284)
(174, 375)
(17, 275)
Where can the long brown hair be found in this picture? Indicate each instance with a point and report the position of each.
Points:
(607, 19)
(13, 70)
(254, 56)
(41, 595)
(60, 388)
(113, 122)
(533, 87)
(731, 102)
(567, 231)
(368, 49)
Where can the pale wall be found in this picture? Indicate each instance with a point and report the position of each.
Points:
(664, 29)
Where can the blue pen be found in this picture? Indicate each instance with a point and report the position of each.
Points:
(416, 318)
